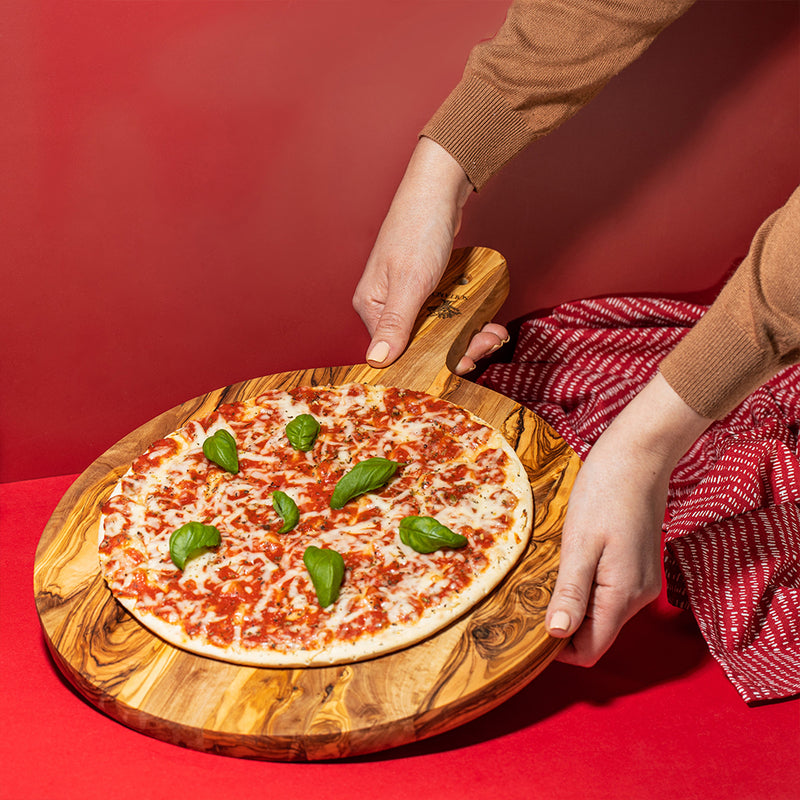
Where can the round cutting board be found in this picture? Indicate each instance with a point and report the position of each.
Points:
(463, 671)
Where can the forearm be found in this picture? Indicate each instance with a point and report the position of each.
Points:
(434, 182)
(549, 59)
(753, 328)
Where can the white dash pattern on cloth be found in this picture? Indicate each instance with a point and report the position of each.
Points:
(732, 527)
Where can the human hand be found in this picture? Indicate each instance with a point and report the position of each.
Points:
(410, 256)
(611, 542)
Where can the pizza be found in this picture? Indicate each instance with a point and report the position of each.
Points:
(314, 526)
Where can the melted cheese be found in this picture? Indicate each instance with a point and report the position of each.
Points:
(253, 593)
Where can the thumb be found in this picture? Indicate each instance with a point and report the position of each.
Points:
(393, 328)
(570, 599)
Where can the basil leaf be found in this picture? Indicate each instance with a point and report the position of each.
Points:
(221, 449)
(326, 568)
(365, 476)
(189, 540)
(425, 534)
(302, 432)
(287, 510)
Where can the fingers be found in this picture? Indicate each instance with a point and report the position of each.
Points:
(390, 325)
(611, 548)
(412, 249)
(601, 584)
(595, 633)
(392, 332)
(589, 616)
(611, 543)
(592, 601)
(489, 339)
(608, 609)
(388, 299)
(570, 600)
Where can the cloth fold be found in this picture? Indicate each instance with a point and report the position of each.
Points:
(732, 523)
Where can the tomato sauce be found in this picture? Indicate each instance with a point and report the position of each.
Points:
(255, 591)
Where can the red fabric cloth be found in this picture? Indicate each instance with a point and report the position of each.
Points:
(732, 527)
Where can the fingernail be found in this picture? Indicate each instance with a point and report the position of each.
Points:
(378, 353)
(499, 345)
(559, 621)
(464, 366)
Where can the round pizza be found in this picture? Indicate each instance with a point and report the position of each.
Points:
(315, 526)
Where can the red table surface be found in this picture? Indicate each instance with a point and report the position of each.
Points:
(654, 718)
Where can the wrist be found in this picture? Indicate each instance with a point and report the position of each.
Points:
(659, 423)
(433, 168)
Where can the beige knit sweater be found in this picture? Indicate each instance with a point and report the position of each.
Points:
(549, 59)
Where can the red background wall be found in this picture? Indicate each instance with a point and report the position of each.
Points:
(188, 191)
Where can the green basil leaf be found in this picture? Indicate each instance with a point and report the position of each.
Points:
(221, 449)
(287, 510)
(302, 432)
(326, 568)
(425, 534)
(366, 476)
(189, 540)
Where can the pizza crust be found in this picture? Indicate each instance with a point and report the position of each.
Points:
(500, 557)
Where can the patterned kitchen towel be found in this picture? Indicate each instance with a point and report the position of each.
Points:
(732, 527)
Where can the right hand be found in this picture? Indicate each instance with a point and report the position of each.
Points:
(411, 254)
(611, 544)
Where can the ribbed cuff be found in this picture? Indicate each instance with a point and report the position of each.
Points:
(479, 128)
(715, 366)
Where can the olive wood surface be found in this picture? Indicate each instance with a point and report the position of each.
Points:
(466, 669)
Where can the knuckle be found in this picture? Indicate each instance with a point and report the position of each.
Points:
(358, 300)
(482, 343)
(585, 660)
(495, 329)
(391, 322)
(649, 587)
(571, 594)
(650, 591)
(579, 655)
(395, 323)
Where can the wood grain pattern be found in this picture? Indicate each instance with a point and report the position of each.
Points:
(322, 712)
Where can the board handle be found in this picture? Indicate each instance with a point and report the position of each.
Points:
(472, 290)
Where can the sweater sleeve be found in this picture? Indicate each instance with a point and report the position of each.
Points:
(549, 59)
(752, 329)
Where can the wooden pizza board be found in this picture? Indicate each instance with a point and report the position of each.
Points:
(323, 712)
